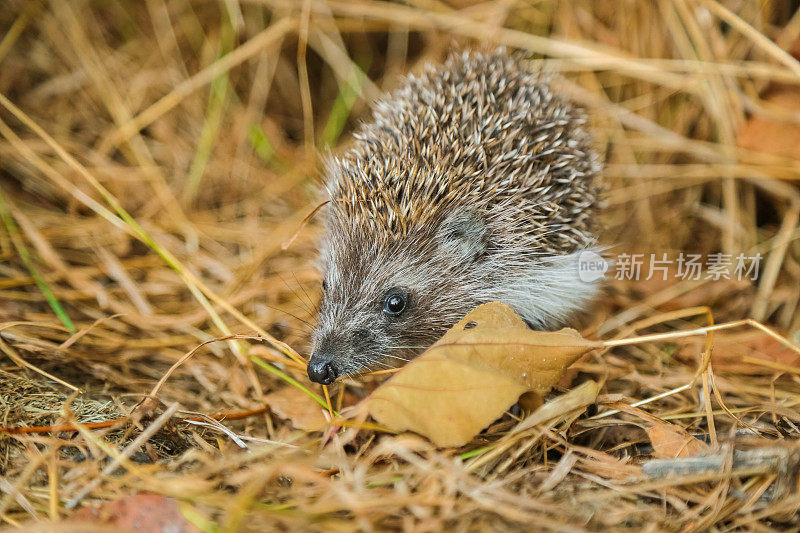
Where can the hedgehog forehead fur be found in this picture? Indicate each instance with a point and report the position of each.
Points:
(473, 182)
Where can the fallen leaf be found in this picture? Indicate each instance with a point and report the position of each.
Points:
(294, 405)
(140, 512)
(473, 374)
(738, 352)
(770, 134)
(530, 401)
(670, 441)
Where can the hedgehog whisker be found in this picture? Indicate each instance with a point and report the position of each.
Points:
(411, 346)
(396, 357)
(306, 323)
(314, 307)
(297, 295)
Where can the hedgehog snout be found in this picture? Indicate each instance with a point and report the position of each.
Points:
(322, 366)
(322, 369)
(343, 351)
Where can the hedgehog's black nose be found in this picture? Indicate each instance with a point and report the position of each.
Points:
(321, 369)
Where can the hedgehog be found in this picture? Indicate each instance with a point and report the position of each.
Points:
(475, 181)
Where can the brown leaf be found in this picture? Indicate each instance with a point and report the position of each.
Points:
(670, 441)
(738, 352)
(473, 374)
(770, 134)
(140, 512)
(294, 405)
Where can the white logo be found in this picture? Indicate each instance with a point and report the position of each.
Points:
(591, 266)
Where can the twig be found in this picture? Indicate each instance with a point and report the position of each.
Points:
(766, 460)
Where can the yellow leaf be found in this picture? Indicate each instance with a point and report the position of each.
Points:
(294, 405)
(473, 374)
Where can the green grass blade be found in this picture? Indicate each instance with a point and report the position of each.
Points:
(217, 99)
(22, 250)
(342, 107)
(473, 453)
(290, 380)
(260, 143)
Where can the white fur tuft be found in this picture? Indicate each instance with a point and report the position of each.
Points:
(550, 291)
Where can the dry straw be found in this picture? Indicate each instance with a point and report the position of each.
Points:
(155, 156)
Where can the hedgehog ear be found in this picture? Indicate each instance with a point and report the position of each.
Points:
(464, 234)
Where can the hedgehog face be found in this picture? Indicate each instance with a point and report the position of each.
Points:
(386, 299)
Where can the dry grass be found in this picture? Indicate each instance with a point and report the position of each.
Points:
(156, 155)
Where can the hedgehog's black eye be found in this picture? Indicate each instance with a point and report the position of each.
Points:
(324, 285)
(394, 304)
